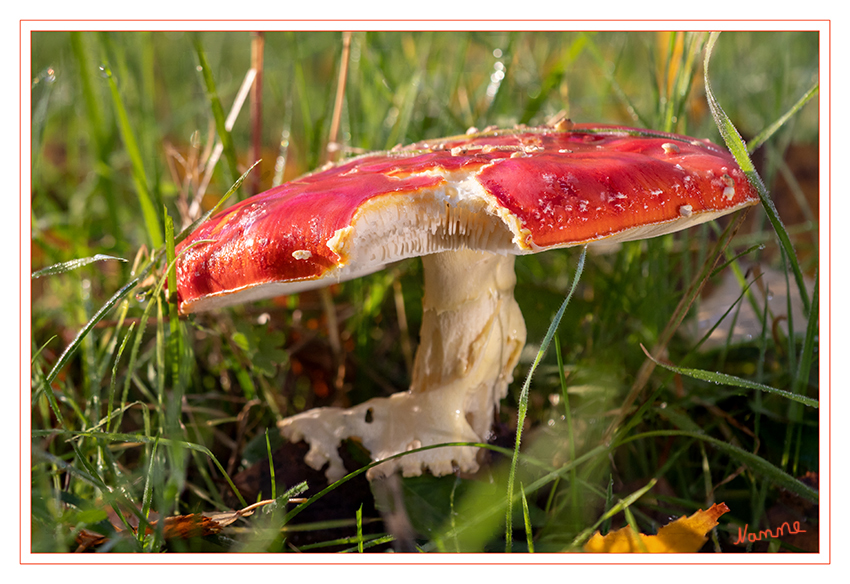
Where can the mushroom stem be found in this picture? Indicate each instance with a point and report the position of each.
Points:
(471, 338)
(472, 330)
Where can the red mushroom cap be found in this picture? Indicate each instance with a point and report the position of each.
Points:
(506, 191)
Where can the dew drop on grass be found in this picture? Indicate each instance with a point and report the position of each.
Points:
(47, 76)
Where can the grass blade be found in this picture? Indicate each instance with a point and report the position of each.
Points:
(119, 437)
(765, 134)
(217, 111)
(553, 77)
(725, 379)
(73, 265)
(608, 72)
(807, 352)
(756, 463)
(66, 354)
(527, 520)
(523, 400)
(619, 506)
(736, 146)
(41, 90)
(234, 187)
(138, 170)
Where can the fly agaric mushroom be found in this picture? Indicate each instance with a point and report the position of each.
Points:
(468, 205)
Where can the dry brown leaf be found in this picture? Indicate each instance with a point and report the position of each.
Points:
(225, 519)
(685, 535)
(180, 526)
(87, 540)
(188, 526)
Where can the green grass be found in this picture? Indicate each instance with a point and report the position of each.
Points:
(143, 414)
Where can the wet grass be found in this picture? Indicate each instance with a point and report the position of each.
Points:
(138, 414)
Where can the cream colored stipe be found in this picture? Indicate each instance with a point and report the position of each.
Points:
(472, 335)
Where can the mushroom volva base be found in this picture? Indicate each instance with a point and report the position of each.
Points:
(470, 343)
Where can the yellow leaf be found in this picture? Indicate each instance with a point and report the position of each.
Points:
(685, 535)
